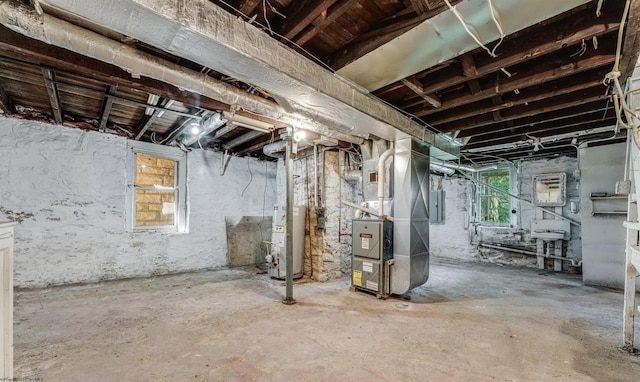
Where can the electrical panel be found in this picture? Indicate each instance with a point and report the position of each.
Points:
(372, 245)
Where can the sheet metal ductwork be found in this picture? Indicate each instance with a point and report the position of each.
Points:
(443, 37)
(411, 215)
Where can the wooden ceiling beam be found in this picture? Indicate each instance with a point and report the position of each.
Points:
(37, 53)
(518, 82)
(558, 115)
(107, 104)
(631, 47)
(302, 15)
(248, 6)
(370, 40)
(545, 43)
(584, 122)
(333, 13)
(547, 105)
(52, 89)
(147, 120)
(416, 86)
(521, 99)
(5, 103)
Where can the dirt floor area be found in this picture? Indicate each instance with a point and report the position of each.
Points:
(471, 322)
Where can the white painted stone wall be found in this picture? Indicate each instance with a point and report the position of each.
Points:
(452, 238)
(456, 238)
(328, 251)
(67, 187)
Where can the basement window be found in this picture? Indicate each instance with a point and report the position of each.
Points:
(157, 186)
(494, 201)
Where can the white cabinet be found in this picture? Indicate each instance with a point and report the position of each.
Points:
(6, 318)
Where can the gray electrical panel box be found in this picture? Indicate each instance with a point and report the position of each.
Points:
(436, 206)
(372, 245)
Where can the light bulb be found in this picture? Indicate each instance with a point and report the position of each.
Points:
(195, 130)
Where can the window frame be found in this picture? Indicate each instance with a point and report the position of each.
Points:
(171, 153)
(513, 219)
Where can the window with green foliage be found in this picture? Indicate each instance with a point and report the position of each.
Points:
(495, 206)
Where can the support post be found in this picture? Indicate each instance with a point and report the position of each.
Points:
(288, 300)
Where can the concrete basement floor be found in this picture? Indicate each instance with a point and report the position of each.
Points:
(469, 322)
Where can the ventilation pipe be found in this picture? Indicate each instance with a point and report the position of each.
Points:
(275, 149)
(352, 175)
(53, 31)
(410, 213)
(442, 169)
(381, 178)
(205, 126)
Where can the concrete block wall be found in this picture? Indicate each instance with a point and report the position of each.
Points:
(67, 189)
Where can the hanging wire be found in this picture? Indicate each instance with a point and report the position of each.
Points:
(267, 29)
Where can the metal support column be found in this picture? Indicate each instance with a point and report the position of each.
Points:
(288, 300)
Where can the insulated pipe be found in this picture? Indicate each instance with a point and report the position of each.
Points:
(367, 210)
(315, 175)
(352, 175)
(53, 31)
(274, 149)
(381, 178)
(445, 170)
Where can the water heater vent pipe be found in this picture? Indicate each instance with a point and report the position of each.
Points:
(381, 178)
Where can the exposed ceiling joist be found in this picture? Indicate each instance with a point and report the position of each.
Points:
(5, 103)
(333, 13)
(416, 86)
(54, 98)
(248, 6)
(305, 12)
(39, 53)
(106, 106)
(543, 106)
(580, 82)
(521, 81)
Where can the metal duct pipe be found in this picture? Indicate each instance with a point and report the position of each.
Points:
(411, 215)
(53, 31)
(445, 170)
(206, 126)
(456, 166)
(381, 178)
(275, 149)
(352, 175)
(367, 210)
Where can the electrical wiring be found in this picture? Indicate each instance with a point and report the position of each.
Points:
(494, 16)
(327, 67)
(467, 27)
(250, 179)
(619, 96)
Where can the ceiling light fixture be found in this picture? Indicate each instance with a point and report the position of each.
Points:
(299, 135)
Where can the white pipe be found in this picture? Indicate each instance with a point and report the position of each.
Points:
(352, 175)
(442, 169)
(367, 210)
(275, 149)
(315, 175)
(574, 262)
(381, 178)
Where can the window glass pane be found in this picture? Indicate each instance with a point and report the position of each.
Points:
(495, 205)
(153, 171)
(155, 208)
